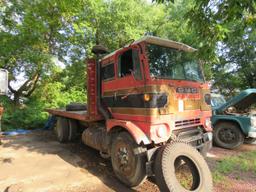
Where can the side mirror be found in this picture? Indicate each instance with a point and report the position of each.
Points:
(3, 82)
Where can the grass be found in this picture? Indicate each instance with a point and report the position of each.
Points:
(244, 162)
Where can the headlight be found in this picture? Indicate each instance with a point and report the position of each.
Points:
(160, 130)
(253, 121)
(208, 122)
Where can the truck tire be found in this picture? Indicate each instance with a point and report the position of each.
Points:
(249, 140)
(72, 129)
(76, 107)
(128, 163)
(62, 129)
(227, 135)
(180, 167)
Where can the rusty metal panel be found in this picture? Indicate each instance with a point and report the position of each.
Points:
(92, 90)
(96, 137)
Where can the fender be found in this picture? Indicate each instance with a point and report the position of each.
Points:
(138, 135)
(217, 118)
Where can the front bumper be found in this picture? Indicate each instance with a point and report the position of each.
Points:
(252, 133)
(201, 141)
(207, 144)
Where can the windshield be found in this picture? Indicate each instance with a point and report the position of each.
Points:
(169, 63)
(217, 101)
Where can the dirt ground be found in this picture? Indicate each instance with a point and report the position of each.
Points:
(37, 162)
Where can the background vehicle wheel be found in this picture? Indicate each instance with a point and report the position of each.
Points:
(227, 135)
(249, 140)
(76, 107)
(62, 129)
(128, 165)
(72, 129)
(180, 167)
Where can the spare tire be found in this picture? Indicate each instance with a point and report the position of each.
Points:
(76, 107)
(180, 167)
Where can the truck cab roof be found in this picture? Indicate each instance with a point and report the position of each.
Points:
(156, 41)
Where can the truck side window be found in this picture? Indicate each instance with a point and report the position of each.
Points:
(125, 64)
(108, 71)
(129, 62)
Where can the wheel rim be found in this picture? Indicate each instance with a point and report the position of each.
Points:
(228, 135)
(187, 173)
(124, 161)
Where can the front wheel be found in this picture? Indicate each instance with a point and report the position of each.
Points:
(180, 167)
(227, 135)
(128, 161)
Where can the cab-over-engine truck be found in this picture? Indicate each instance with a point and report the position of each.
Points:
(149, 111)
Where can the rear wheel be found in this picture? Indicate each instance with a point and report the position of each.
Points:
(73, 126)
(62, 129)
(227, 135)
(128, 163)
(249, 140)
(180, 167)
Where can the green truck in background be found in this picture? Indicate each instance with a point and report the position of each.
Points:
(234, 121)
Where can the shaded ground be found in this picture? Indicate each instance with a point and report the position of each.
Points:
(37, 162)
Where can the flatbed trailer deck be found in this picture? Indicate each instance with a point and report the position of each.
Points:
(76, 115)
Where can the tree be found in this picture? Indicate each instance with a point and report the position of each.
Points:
(236, 69)
(224, 33)
(32, 35)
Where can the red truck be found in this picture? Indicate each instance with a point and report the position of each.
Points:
(149, 111)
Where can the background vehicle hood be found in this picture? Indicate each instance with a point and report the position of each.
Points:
(242, 101)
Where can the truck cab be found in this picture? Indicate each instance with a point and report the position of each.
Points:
(157, 87)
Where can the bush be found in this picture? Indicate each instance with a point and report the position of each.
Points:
(31, 114)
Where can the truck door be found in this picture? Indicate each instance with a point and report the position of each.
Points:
(124, 91)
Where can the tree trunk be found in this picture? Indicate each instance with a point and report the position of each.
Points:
(25, 90)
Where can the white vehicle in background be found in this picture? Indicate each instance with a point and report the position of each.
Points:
(3, 82)
(3, 90)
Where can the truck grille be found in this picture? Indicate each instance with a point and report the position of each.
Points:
(187, 122)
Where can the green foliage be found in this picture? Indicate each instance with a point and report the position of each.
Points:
(227, 23)
(218, 177)
(236, 67)
(54, 95)
(32, 113)
(29, 117)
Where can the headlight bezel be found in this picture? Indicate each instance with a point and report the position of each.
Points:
(208, 122)
(253, 121)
